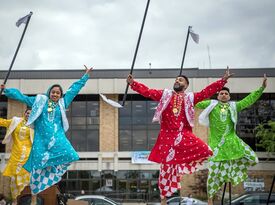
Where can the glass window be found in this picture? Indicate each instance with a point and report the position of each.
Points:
(96, 184)
(93, 109)
(72, 185)
(122, 185)
(84, 174)
(94, 174)
(72, 175)
(146, 175)
(125, 139)
(152, 137)
(260, 112)
(252, 200)
(133, 174)
(121, 174)
(139, 108)
(134, 184)
(79, 108)
(136, 130)
(93, 140)
(79, 140)
(83, 116)
(139, 140)
(84, 185)
(78, 123)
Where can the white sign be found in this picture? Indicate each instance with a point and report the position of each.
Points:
(141, 157)
(109, 182)
(254, 185)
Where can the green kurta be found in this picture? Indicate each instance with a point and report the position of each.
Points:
(232, 156)
(221, 125)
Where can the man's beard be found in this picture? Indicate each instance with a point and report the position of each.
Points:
(178, 87)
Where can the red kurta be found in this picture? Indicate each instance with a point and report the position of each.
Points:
(177, 155)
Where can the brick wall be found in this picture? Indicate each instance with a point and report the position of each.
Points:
(108, 130)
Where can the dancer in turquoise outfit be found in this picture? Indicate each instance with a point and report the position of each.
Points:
(51, 153)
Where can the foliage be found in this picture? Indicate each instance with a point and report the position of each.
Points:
(199, 188)
(265, 132)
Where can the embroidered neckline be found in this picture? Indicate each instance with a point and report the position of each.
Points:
(51, 105)
(224, 107)
(177, 104)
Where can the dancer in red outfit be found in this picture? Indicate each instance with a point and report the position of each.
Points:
(177, 149)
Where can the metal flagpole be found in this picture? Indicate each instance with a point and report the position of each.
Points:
(269, 195)
(229, 193)
(223, 193)
(137, 46)
(186, 42)
(17, 49)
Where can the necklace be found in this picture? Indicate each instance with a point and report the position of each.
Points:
(51, 110)
(177, 104)
(24, 121)
(51, 105)
(224, 109)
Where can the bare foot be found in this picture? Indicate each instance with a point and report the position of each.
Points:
(163, 201)
(210, 201)
(34, 200)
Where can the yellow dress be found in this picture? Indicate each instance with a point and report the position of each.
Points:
(21, 139)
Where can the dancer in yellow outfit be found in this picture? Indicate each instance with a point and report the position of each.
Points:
(20, 136)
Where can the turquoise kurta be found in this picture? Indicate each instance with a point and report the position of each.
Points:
(51, 151)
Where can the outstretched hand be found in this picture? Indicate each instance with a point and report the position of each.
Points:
(227, 74)
(264, 81)
(130, 79)
(3, 86)
(87, 70)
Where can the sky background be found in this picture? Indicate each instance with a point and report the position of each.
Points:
(66, 34)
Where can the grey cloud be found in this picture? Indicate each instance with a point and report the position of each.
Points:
(103, 33)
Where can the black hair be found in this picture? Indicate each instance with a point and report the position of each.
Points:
(56, 85)
(185, 77)
(226, 88)
(27, 109)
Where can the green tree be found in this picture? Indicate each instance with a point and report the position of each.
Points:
(265, 132)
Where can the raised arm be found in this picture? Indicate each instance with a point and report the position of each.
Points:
(4, 122)
(252, 97)
(144, 90)
(203, 104)
(76, 87)
(15, 94)
(212, 88)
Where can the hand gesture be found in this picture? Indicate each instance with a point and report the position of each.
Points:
(87, 70)
(130, 79)
(264, 81)
(3, 86)
(227, 74)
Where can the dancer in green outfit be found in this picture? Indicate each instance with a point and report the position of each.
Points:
(231, 156)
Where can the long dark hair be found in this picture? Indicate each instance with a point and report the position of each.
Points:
(27, 109)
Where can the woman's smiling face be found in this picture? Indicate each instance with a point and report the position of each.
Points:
(55, 94)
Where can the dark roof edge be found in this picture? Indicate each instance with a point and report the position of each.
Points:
(138, 73)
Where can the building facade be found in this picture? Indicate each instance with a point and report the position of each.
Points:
(107, 138)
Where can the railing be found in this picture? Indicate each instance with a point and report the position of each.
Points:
(116, 161)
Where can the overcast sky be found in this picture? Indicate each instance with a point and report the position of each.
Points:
(66, 34)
